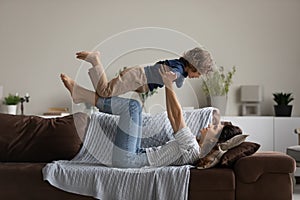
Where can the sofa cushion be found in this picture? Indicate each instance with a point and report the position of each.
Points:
(211, 159)
(25, 181)
(233, 142)
(36, 139)
(213, 183)
(214, 156)
(232, 155)
(213, 179)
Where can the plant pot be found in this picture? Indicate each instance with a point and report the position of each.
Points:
(283, 110)
(11, 109)
(219, 102)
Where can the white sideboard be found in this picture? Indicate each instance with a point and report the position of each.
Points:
(272, 133)
(284, 132)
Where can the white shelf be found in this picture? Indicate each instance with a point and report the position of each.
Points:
(272, 133)
(54, 116)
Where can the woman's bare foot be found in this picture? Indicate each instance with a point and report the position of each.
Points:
(69, 84)
(78, 93)
(92, 57)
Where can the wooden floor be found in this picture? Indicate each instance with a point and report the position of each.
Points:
(296, 195)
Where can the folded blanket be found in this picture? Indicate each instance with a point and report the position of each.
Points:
(90, 172)
(108, 183)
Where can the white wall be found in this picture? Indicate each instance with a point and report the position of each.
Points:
(39, 38)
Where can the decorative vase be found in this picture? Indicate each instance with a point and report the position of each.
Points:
(219, 102)
(283, 110)
(11, 109)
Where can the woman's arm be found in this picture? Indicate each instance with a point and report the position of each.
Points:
(173, 106)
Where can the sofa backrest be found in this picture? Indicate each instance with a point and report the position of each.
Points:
(36, 139)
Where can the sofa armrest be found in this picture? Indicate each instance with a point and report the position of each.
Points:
(250, 168)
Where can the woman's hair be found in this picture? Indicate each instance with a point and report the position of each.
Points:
(228, 132)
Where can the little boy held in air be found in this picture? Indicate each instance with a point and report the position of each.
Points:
(192, 64)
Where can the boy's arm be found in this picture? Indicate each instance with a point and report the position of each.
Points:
(173, 106)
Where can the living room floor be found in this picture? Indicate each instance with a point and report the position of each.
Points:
(296, 195)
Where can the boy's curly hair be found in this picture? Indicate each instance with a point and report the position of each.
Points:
(200, 59)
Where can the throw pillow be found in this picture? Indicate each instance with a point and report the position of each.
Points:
(211, 159)
(242, 150)
(215, 155)
(233, 142)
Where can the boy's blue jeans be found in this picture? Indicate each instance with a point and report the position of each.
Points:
(127, 150)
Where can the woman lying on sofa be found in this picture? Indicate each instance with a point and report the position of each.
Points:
(127, 151)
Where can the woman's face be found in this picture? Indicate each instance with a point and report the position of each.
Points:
(210, 133)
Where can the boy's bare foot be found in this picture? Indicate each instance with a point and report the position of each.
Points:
(69, 84)
(92, 57)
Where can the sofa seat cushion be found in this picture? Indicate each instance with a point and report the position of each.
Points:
(212, 183)
(26, 180)
(36, 139)
(212, 179)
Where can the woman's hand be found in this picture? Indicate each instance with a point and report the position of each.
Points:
(167, 76)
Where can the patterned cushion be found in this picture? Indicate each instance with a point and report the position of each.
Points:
(242, 150)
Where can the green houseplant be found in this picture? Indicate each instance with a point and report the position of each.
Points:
(11, 102)
(215, 87)
(282, 100)
(217, 83)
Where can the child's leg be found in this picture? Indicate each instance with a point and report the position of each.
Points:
(92, 57)
(96, 73)
(131, 79)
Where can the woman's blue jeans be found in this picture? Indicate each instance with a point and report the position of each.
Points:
(127, 150)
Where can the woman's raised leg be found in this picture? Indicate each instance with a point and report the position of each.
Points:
(129, 131)
(78, 93)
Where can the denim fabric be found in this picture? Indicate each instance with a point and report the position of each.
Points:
(126, 151)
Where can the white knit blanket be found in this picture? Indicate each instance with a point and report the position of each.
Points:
(90, 172)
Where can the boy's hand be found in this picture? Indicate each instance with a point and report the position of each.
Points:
(167, 76)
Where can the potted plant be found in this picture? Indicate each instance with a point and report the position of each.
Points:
(11, 102)
(283, 108)
(215, 86)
